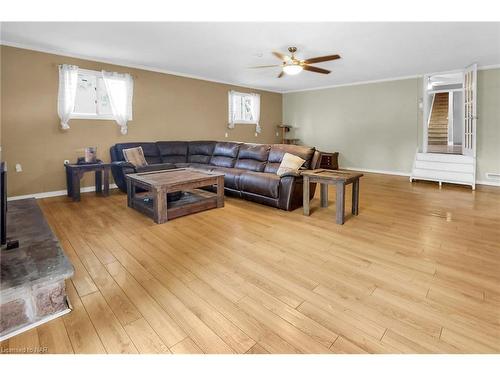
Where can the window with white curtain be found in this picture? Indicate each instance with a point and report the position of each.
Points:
(244, 108)
(92, 100)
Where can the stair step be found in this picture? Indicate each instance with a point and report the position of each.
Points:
(465, 178)
(446, 167)
(445, 158)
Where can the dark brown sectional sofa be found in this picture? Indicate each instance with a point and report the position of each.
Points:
(249, 169)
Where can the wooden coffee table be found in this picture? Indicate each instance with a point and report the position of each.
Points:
(340, 179)
(158, 183)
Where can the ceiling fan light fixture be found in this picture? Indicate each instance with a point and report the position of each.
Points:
(292, 69)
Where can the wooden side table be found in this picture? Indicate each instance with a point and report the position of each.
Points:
(340, 179)
(75, 172)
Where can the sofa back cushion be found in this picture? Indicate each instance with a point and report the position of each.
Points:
(278, 151)
(200, 151)
(225, 154)
(173, 151)
(253, 157)
(151, 152)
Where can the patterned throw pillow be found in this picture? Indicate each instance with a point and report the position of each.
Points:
(290, 163)
(135, 156)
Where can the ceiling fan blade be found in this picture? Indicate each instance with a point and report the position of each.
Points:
(315, 60)
(315, 69)
(281, 56)
(281, 74)
(263, 66)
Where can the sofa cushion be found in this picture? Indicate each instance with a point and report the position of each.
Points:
(135, 156)
(266, 184)
(252, 157)
(151, 152)
(231, 176)
(290, 164)
(278, 151)
(200, 151)
(225, 154)
(173, 151)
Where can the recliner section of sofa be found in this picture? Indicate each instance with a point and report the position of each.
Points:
(249, 169)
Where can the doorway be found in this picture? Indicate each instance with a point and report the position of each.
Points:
(444, 113)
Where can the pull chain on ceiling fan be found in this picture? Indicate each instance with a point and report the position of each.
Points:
(291, 65)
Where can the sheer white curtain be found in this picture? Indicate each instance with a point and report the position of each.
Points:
(256, 111)
(68, 83)
(232, 119)
(120, 89)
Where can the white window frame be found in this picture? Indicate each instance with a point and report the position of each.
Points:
(242, 94)
(96, 116)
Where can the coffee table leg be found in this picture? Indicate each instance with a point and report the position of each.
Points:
(305, 196)
(220, 191)
(340, 202)
(160, 206)
(355, 197)
(106, 182)
(324, 195)
(130, 193)
(98, 182)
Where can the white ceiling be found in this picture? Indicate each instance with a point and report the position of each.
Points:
(224, 51)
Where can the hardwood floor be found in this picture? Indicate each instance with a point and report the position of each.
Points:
(418, 271)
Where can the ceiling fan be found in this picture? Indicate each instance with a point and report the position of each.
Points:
(291, 65)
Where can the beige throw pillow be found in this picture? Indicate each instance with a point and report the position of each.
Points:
(135, 156)
(290, 163)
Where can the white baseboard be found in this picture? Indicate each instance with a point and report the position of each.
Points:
(489, 183)
(381, 171)
(396, 173)
(57, 193)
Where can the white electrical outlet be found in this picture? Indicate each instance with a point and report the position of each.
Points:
(66, 161)
(226, 135)
(277, 134)
(256, 134)
(19, 168)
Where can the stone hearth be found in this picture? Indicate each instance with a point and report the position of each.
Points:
(32, 276)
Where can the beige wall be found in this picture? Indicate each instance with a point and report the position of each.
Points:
(488, 123)
(372, 126)
(166, 107)
(379, 126)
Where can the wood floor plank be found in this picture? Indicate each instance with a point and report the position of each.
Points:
(186, 346)
(169, 331)
(81, 331)
(108, 327)
(53, 336)
(145, 338)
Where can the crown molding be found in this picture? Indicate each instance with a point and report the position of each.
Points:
(128, 65)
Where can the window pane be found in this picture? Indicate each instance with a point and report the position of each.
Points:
(86, 94)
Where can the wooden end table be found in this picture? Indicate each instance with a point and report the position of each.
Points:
(339, 178)
(158, 184)
(75, 172)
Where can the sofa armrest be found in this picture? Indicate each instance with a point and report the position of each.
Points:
(119, 169)
(291, 174)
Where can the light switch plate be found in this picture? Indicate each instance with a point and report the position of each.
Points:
(19, 168)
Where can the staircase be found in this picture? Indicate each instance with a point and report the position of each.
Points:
(438, 122)
(456, 169)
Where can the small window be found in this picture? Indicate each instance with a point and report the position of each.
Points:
(92, 101)
(242, 108)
